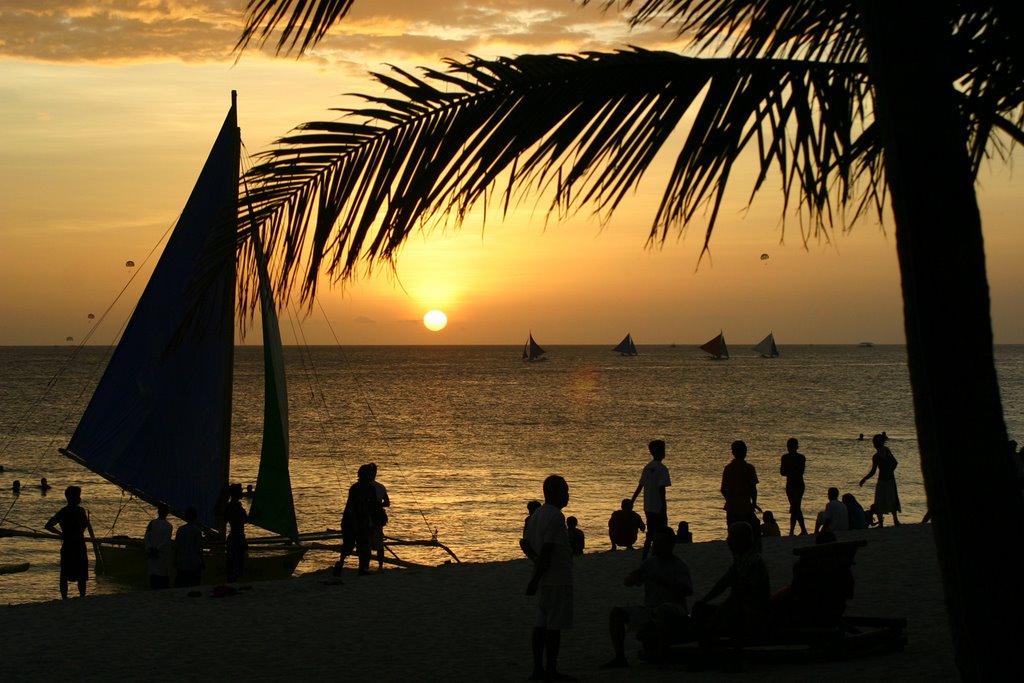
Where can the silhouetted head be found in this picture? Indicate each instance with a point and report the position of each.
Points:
(848, 499)
(741, 538)
(657, 449)
(572, 522)
(833, 493)
(663, 542)
(373, 469)
(235, 491)
(792, 445)
(364, 473)
(162, 510)
(556, 491)
(16, 486)
(768, 516)
(532, 506)
(73, 494)
(626, 504)
(878, 440)
(739, 450)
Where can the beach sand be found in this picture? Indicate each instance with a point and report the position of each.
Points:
(455, 623)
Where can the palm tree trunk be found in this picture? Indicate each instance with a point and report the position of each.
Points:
(976, 509)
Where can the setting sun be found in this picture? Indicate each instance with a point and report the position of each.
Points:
(435, 320)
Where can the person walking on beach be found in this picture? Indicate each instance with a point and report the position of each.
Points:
(548, 543)
(887, 499)
(157, 542)
(377, 531)
(653, 481)
(792, 468)
(73, 521)
(624, 525)
(236, 547)
(188, 552)
(739, 488)
(361, 507)
(667, 584)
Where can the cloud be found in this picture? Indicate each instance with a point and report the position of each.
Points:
(375, 32)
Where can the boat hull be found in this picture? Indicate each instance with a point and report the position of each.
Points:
(125, 561)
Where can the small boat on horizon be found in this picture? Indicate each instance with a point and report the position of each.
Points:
(767, 348)
(866, 345)
(532, 351)
(626, 347)
(717, 348)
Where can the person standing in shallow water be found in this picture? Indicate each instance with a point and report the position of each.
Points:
(887, 500)
(73, 521)
(792, 468)
(654, 479)
(236, 517)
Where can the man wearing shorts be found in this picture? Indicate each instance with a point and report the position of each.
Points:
(547, 539)
(653, 481)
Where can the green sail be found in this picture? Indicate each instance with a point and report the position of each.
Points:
(273, 507)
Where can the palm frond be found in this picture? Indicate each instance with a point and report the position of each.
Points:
(305, 20)
(583, 129)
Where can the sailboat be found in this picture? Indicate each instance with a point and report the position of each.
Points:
(159, 422)
(717, 348)
(626, 347)
(532, 351)
(767, 348)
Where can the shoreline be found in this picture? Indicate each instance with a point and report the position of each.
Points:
(467, 622)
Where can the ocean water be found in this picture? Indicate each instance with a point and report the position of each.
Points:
(464, 436)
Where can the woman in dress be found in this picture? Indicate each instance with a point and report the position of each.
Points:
(887, 500)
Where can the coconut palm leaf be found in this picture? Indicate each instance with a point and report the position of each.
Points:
(580, 130)
(309, 21)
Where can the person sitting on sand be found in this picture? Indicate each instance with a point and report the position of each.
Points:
(855, 514)
(624, 525)
(577, 540)
(769, 527)
(834, 517)
(744, 612)
(664, 615)
(683, 534)
(548, 542)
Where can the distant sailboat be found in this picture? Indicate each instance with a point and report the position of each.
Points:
(767, 348)
(626, 347)
(717, 348)
(532, 351)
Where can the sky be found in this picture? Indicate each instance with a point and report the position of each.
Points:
(110, 107)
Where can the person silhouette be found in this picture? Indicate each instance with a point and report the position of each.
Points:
(624, 525)
(887, 499)
(792, 468)
(653, 480)
(577, 540)
(739, 488)
(73, 521)
(548, 542)
(157, 542)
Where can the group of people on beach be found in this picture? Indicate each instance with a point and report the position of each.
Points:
(550, 541)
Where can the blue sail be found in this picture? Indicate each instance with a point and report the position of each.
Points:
(159, 422)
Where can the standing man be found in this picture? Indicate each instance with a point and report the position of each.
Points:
(547, 541)
(739, 488)
(188, 551)
(653, 481)
(157, 542)
(235, 516)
